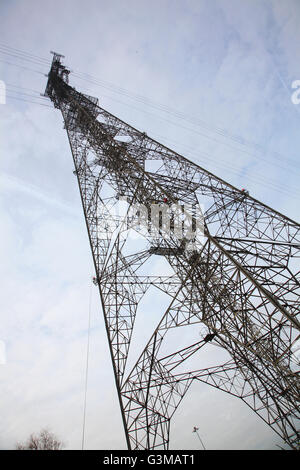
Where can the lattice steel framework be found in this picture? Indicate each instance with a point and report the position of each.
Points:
(239, 284)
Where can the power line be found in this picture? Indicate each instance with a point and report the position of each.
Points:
(257, 179)
(9, 85)
(22, 58)
(22, 66)
(28, 94)
(146, 101)
(20, 52)
(195, 121)
(29, 101)
(259, 157)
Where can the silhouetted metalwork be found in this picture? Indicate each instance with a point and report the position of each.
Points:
(238, 285)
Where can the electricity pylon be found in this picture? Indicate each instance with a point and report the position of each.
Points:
(234, 279)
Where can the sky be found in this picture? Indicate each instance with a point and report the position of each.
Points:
(211, 79)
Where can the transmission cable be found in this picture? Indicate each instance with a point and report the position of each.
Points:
(227, 167)
(258, 178)
(29, 101)
(195, 121)
(144, 101)
(22, 66)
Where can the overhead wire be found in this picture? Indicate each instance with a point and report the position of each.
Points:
(17, 92)
(9, 85)
(24, 53)
(196, 132)
(21, 58)
(195, 121)
(161, 107)
(13, 93)
(144, 100)
(22, 66)
(29, 101)
(258, 177)
(28, 94)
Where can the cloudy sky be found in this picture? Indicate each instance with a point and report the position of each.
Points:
(211, 79)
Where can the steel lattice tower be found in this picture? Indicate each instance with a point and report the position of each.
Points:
(238, 285)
